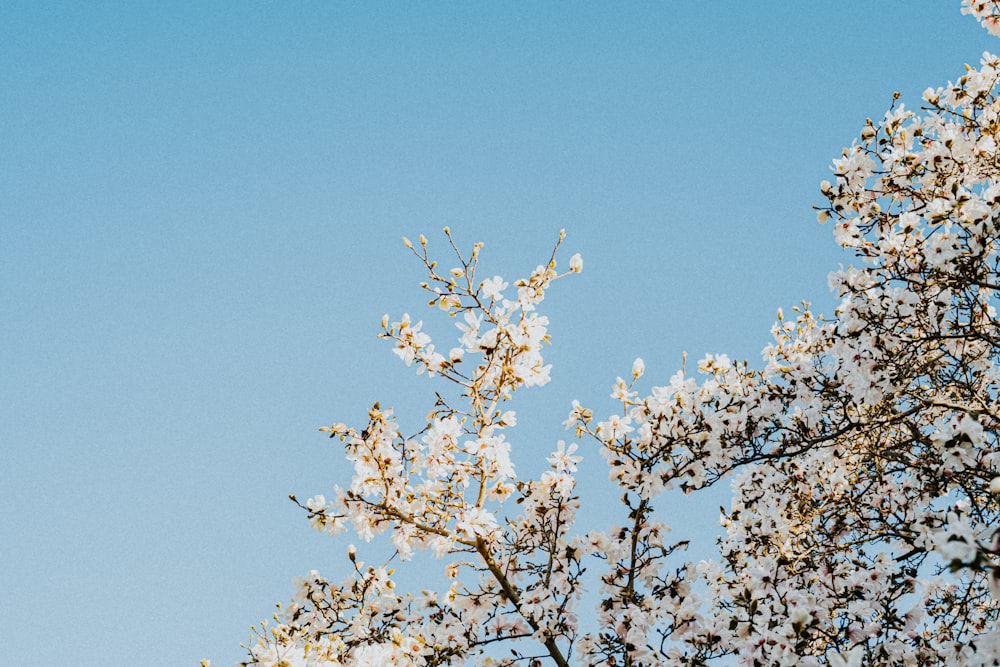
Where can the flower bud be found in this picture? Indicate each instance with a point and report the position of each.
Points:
(576, 263)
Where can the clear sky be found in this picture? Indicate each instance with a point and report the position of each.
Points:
(201, 207)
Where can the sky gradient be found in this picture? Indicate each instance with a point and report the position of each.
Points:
(201, 208)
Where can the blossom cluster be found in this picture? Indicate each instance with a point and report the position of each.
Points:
(987, 12)
(514, 578)
(862, 453)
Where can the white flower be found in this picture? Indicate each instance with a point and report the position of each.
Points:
(374, 655)
(562, 459)
(475, 522)
(493, 288)
(851, 658)
(560, 482)
(615, 427)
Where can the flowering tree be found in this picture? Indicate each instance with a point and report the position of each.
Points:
(863, 456)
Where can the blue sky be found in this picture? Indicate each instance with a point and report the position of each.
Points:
(200, 218)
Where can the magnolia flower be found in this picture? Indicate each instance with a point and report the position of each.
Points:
(493, 288)
(562, 459)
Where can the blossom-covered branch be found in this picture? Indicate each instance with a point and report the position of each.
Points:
(863, 455)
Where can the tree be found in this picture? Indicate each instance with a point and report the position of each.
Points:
(864, 456)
